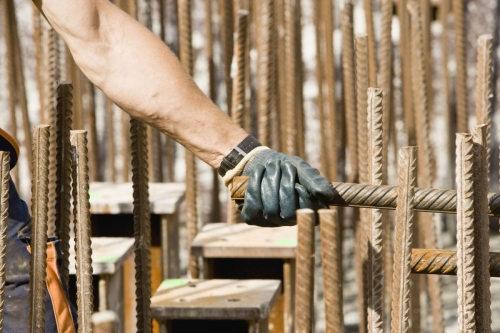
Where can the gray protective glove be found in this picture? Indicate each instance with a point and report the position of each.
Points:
(279, 185)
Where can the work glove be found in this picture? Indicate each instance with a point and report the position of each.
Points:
(279, 185)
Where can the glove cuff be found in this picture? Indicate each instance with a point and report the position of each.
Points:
(238, 169)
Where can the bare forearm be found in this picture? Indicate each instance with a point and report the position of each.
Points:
(141, 75)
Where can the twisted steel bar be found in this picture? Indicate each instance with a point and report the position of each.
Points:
(371, 44)
(482, 295)
(226, 31)
(186, 57)
(465, 233)
(4, 215)
(142, 227)
(375, 234)
(81, 213)
(304, 276)
(461, 71)
(331, 262)
(39, 213)
(444, 262)
(290, 80)
(348, 75)
(299, 69)
(280, 59)
(110, 139)
(64, 114)
(484, 86)
(400, 310)
(332, 137)
(362, 104)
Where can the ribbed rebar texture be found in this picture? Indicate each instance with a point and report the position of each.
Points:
(461, 93)
(109, 107)
(279, 53)
(400, 309)
(304, 275)
(265, 71)
(299, 77)
(349, 79)
(4, 215)
(64, 112)
(290, 80)
(361, 105)
(371, 196)
(331, 122)
(482, 295)
(465, 233)
(331, 263)
(484, 85)
(371, 44)
(142, 224)
(39, 213)
(226, 32)
(444, 262)
(186, 57)
(81, 213)
(375, 234)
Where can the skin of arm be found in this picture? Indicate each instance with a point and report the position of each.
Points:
(140, 74)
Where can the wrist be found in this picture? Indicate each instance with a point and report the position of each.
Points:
(237, 154)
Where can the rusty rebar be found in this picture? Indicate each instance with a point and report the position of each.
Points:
(304, 276)
(64, 112)
(186, 57)
(280, 36)
(465, 233)
(331, 262)
(361, 105)
(265, 72)
(81, 213)
(331, 122)
(484, 86)
(142, 224)
(110, 140)
(349, 79)
(94, 160)
(226, 31)
(299, 77)
(39, 213)
(290, 80)
(371, 44)
(400, 309)
(461, 92)
(375, 234)
(444, 262)
(4, 215)
(482, 295)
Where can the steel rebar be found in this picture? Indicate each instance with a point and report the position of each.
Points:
(299, 77)
(186, 57)
(64, 112)
(361, 104)
(81, 213)
(304, 276)
(371, 44)
(465, 233)
(331, 259)
(226, 32)
(39, 213)
(375, 229)
(4, 215)
(110, 139)
(400, 320)
(461, 93)
(290, 80)
(280, 36)
(484, 86)
(482, 296)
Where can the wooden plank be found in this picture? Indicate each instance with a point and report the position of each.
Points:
(108, 254)
(116, 198)
(222, 240)
(215, 299)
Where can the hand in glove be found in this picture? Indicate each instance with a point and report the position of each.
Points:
(278, 185)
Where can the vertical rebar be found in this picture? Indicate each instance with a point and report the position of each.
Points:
(331, 123)
(304, 276)
(299, 77)
(290, 80)
(465, 233)
(226, 30)
(64, 112)
(361, 104)
(94, 161)
(81, 213)
(186, 56)
(375, 235)
(142, 227)
(331, 262)
(280, 59)
(484, 86)
(371, 44)
(400, 320)
(110, 139)
(482, 293)
(39, 213)
(265, 72)
(4, 215)
(461, 93)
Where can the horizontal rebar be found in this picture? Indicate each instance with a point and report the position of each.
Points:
(384, 197)
(444, 262)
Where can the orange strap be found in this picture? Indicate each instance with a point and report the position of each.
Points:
(60, 304)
